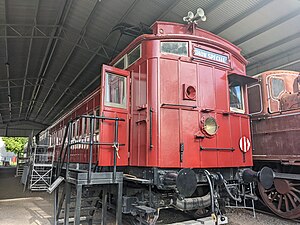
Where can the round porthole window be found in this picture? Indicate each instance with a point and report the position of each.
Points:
(191, 92)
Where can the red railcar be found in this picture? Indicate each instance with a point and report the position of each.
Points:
(275, 107)
(181, 92)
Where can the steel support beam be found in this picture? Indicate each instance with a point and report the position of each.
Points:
(287, 64)
(89, 61)
(77, 96)
(273, 45)
(28, 57)
(284, 59)
(82, 33)
(7, 62)
(41, 74)
(267, 27)
(237, 19)
(87, 44)
(30, 82)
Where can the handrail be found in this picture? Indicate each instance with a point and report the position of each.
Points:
(68, 133)
(59, 163)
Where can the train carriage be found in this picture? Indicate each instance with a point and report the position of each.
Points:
(180, 95)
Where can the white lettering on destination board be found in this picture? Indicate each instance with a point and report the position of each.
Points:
(210, 55)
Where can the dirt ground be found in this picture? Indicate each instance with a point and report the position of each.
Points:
(22, 208)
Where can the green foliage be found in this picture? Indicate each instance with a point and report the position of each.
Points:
(14, 144)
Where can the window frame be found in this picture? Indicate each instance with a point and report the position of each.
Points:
(174, 54)
(112, 104)
(270, 94)
(125, 63)
(97, 128)
(260, 94)
(234, 109)
(125, 57)
(271, 87)
(128, 65)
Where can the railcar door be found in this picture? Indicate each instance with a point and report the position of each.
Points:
(114, 97)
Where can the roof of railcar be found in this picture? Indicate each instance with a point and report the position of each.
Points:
(181, 32)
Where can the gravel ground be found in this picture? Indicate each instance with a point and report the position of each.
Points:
(245, 217)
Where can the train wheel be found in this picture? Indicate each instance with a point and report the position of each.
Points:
(283, 198)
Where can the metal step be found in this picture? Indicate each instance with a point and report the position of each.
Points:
(72, 219)
(89, 208)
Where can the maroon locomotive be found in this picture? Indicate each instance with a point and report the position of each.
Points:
(185, 132)
(274, 103)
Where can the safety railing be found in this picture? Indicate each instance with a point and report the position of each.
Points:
(65, 151)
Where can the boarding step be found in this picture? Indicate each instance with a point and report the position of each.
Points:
(87, 208)
(72, 219)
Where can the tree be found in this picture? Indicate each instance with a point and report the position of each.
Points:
(15, 144)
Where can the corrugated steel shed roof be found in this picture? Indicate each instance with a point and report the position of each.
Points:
(51, 51)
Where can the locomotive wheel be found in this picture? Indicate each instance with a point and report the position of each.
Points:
(283, 198)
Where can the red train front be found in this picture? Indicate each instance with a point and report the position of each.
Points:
(182, 94)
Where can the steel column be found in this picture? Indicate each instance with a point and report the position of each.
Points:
(67, 203)
(119, 204)
(104, 205)
(91, 148)
(55, 206)
(78, 204)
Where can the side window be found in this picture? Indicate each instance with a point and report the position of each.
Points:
(97, 124)
(121, 63)
(254, 99)
(115, 90)
(130, 58)
(74, 129)
(84, 122)
(277, 87)
(177, 48)
(134, 55)
(236, 98)
(89, 122)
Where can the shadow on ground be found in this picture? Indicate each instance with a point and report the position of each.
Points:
(24, 208)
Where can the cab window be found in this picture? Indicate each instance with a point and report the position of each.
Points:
(115, 90)
(176, 48)
(277, 87)
(236, 98)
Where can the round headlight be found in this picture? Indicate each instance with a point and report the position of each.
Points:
(210, 126)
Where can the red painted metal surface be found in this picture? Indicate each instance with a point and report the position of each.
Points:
(171, 95)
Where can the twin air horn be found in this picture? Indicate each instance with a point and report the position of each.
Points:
(191, 18)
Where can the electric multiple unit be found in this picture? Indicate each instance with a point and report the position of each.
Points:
(184, 140)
